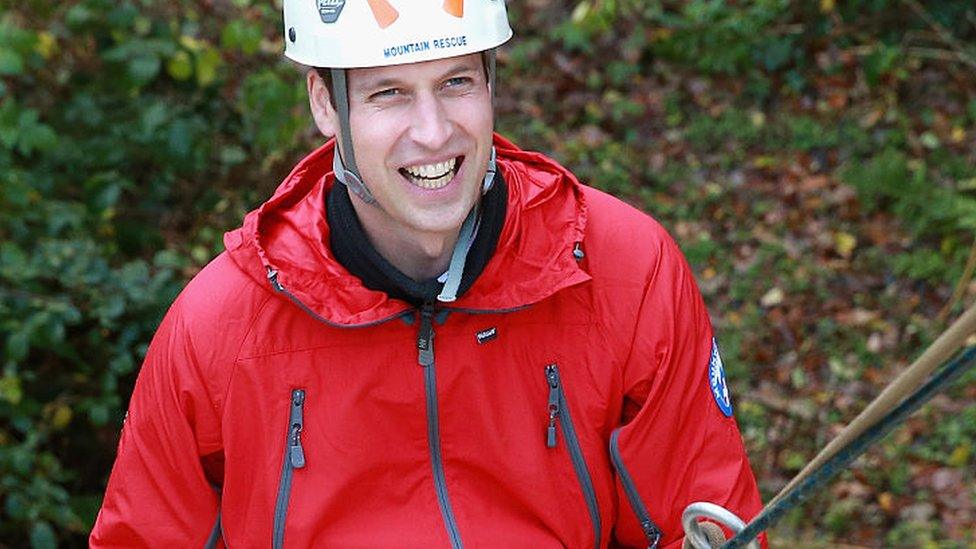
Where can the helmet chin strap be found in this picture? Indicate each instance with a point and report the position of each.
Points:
(489, 179)
(348, 173)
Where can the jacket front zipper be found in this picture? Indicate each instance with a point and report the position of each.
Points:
(294, 455)
(425, 357)
(216, 533)
(558, 412)
(651, 531)
(294, 459)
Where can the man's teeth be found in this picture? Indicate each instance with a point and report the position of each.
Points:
(425, 183)
(432, 171)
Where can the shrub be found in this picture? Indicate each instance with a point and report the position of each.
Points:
(122, 132)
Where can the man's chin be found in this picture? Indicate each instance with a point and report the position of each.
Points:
(439, 221)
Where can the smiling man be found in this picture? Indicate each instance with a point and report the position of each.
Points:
(423, 139)
(427, 337)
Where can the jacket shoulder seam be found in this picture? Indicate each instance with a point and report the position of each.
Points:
(237, 355)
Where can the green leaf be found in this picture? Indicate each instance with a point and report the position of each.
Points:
(930, 140)
(207, 63)
(111, 309)
(10, 389)
(232, 155)
(78, 15)
(168, 259)
(121, 365)
(776, 53)
(153, 116)
(9, 127)
(98, 413)
(16, 506)
(881, 61)
(142, 25)
(15, 45)
(241, 35)
(13, 260)
(144, 68)
(11, 63)
(37, 137)
(42, 536)
(268, 109)
(180, 66)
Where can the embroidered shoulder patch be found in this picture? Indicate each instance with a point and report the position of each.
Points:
(716, 381)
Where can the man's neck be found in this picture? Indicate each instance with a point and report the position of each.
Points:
(353, 248)
(419, 255)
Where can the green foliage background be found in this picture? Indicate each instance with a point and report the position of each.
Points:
(816, 162)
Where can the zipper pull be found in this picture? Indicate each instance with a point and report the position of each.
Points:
(296, 453)
(578, 253)
(552, 378)
(652, 534)
(273, 279)
(425, 337)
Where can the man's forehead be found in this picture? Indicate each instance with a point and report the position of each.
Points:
(414, 71)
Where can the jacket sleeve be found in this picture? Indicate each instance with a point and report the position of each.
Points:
(158, 494)
(678, 442)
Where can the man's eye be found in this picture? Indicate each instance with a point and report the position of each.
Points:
(457, 81)
(391, 92)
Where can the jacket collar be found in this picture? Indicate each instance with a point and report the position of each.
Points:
(288, 235)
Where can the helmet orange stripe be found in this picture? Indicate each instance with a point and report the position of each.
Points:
(383, 12)
(454, 7)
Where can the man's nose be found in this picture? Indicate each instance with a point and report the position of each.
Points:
(430, 125)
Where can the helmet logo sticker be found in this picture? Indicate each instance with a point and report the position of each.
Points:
(383, 12)
(717, 383)
(329, 10)
(454, 7)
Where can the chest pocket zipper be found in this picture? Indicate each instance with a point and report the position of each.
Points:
(558, 413)
(294, 459)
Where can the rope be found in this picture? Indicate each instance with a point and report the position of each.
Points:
(938, 353)
(829, 468)
(896, 402)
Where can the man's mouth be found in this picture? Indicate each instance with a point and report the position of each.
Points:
(432, 176)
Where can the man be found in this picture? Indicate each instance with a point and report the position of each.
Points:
(427, 337)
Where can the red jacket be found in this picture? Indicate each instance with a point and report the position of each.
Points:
(564, 400)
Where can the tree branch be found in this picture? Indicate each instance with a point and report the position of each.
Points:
(958, 49)
(960, 289)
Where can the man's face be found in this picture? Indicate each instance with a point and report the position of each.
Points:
(422, 137)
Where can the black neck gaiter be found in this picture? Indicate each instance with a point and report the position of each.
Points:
(354, 251)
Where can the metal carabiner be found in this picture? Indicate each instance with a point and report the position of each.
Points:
(715, 513)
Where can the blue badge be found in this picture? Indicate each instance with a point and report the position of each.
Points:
(716, 381)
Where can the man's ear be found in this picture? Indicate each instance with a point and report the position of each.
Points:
(326, 118)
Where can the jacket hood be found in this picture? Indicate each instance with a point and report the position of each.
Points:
(289, 236)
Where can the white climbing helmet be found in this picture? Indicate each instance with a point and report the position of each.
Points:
(374, 33)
